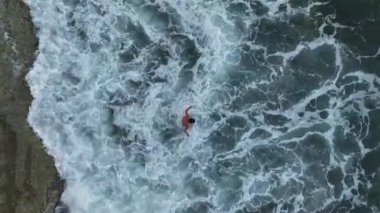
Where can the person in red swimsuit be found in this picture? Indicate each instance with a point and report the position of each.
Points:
(187, 121)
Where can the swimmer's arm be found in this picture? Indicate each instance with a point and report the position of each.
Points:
(187, 110)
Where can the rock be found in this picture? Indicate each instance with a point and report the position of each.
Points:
(29, 181)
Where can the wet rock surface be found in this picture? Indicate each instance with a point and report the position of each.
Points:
(28, 179)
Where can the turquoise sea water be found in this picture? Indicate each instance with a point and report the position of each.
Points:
(285, 94)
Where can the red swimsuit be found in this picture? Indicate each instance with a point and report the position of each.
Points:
(185, 120)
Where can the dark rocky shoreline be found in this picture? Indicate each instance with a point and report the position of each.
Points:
(29, 181)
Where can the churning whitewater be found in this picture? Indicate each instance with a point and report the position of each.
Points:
(283, 107)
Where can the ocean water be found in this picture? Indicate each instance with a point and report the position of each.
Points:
(285, 93)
